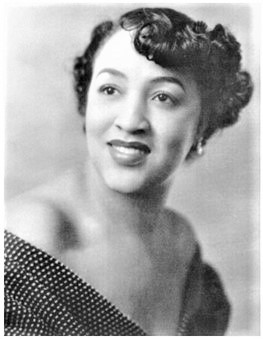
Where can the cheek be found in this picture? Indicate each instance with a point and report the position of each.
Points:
(96, 118)
(178, 134)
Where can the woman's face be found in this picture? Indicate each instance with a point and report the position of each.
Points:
(141, 119)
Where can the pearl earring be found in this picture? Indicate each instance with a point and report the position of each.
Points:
(199, 148)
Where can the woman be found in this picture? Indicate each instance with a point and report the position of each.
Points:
(97, 252)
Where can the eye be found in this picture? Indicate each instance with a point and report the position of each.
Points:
(108, 90)
(164, 98)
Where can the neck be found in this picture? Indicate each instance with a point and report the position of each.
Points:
(118, 213)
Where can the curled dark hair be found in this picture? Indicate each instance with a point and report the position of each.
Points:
(174, 41)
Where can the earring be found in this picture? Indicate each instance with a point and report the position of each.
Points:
(84, 128)
(199, 148)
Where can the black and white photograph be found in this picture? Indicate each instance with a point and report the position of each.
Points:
(132, 157)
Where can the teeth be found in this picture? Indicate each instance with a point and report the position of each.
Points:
(127, 150)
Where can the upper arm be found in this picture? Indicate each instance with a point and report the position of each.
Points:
(212, 315)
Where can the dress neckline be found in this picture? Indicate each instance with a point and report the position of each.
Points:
(17, 256)
(17, 248)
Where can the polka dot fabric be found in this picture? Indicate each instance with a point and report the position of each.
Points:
(44, 297)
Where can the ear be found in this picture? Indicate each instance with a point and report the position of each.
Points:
(197, 148)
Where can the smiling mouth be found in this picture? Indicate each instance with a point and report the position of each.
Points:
(128, 153)
(130, 146)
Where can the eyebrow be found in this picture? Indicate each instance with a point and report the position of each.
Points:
(156, 80)
(168, 79)
(113, 72)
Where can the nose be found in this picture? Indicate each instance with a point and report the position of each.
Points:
(133, 117)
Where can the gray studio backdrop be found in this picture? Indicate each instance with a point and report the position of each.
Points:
(219, 193)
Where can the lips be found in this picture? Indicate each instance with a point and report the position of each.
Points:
(128, 153)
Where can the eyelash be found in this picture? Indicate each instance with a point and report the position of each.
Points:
(106, 88)
(167, 96)
(172, 101)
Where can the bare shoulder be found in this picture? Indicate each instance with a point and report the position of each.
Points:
(181, 234)
(34, 220)
(44, 216)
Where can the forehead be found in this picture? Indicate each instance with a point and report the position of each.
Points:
(119, 52)
(115, 48)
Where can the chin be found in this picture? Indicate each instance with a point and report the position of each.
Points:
(126, 185)
(134, 183)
